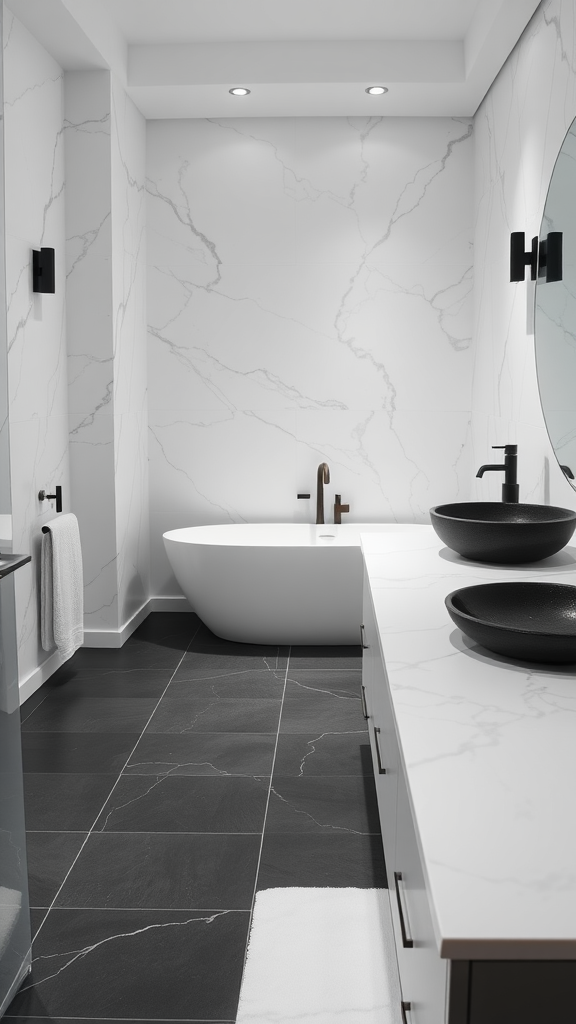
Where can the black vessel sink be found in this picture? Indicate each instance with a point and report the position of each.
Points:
(529, 621)
(495, 531)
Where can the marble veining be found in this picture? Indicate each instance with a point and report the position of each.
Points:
(298, 269)
(106, 354)
(519, 129)
(34, 183)
(80, 954)
(488, 745)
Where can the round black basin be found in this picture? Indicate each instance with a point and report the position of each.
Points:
(530, 621)
(495, 531)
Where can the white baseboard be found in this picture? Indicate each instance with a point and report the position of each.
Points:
(108, 638)
(39, 676)
(113, 638)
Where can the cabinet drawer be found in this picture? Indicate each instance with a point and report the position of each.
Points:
(381, 731)
(423, 974)
(385, 760)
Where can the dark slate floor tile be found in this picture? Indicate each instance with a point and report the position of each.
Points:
(176, 628)
(227, 676)
(76, 752)
(323, 805)
(271, 653)
(37, 916)
(209, 753)
(324, 753)
(30, 705)
(321, 712)
(250, 686)
(135, 654)
(304, 682)
(326, 657)
(91, 714)
(209, 714)
(149, 965)
(110, 682)
(177, 804)
(50, 856)
(64, 803)
(162, 872)
(256, 686)
(219, 662)
(322, 860)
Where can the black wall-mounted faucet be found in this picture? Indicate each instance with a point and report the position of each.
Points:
(510, 489)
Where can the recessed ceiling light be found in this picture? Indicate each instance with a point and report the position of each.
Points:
(376, 90)
(239, 91)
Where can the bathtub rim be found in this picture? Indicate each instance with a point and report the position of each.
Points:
(297, 535)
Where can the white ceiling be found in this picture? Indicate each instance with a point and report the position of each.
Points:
(179, 58)
(178, 21)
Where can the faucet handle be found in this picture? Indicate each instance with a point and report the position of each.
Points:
(339, 508)
(509, 449)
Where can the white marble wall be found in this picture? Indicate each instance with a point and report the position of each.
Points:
(128, 156)
(519, 130)
(105, 150)
(90, 337)
(309, 291)
(34, 176)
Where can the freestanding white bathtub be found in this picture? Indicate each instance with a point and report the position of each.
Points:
(275, 583)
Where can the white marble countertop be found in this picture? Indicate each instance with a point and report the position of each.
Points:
(489, 747)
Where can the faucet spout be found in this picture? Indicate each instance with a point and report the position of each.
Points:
(323, 477)
(510, 489)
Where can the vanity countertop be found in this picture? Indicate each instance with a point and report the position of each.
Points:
(8, 563)
(489, 748)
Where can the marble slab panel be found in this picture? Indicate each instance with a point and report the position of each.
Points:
(309, 298)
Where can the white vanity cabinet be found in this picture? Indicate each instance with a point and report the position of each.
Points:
(423, 974)
(378, 711)
(490, 972)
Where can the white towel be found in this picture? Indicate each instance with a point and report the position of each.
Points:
(62, 587)
(321, 956)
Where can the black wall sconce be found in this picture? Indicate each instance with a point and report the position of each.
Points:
(544, 259)
(43, 277)
(42, 496)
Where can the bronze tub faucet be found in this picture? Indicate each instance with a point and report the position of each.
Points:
(323, 477)
(339, 508)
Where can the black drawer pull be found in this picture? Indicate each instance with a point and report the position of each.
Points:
(403, 1007)
(381, 769)
(406, 942)
(365, 647)
(363, 699)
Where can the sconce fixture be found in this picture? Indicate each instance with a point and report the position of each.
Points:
(544, 260)
(550, 257)
(43, 279)
(42, 496)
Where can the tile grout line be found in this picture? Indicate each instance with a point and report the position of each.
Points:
(35, 936)
(160, 910)
(266, 811)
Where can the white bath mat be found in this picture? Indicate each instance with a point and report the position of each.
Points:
(321, 956)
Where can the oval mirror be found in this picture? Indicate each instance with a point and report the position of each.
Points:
(555, 314)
